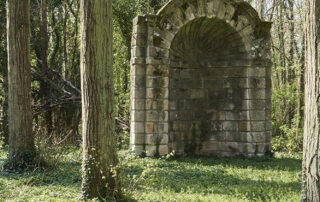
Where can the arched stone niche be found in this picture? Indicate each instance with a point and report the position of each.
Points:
(201, 80)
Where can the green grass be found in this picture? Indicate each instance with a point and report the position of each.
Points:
(166, 179)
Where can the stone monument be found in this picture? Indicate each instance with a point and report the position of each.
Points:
(201, 80)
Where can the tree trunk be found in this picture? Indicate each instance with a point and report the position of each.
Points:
(4, 124)
(21, 140)
(65, 52)
(300, 89)
(45, 91)
(311, 148)
(99, 155)
(262, 9)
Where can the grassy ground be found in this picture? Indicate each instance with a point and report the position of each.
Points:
(166, 179)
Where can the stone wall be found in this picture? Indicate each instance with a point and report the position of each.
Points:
(201, 80)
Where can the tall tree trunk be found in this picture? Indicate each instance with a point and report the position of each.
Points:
(290, 17)
(65, 53)
(281, 44)
(262, 9)
(99, 155)
(4, 118)
(311, 145)
(21, 140)
(300, 88)
(45, 91)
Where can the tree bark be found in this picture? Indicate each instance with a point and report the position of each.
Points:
(4, 118)
(65, 52)
(21, 140)
(262, 9)
(45, 91)
(99, 155)
(311, 147)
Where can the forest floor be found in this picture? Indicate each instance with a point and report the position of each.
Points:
(165, 179)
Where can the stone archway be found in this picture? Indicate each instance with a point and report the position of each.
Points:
(200, 80)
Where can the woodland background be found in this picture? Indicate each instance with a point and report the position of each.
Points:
(56, 106)
(56, 69)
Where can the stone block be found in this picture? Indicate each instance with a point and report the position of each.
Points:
(172, 105)
(159, 104)
(232, 115)
(157, 52)
(137, 116)
(252, 126)
(138, 61)
(263, 147)
(253, 115)
(231, 147)
(257, 104)
(257, 72)
(138, 70)
(137, 127)
(189, 73)
(138, 51)
(157, 116)
(216, 126)
(157, 82)
(230, 125)
(154, 139)
(137, 139)
(139, 30)
(138, 81)
(138, 149)
(229, 106)
(138, 93)
(151, 150)
(234, 72)
(139, 40)
(158, 128)
(197, 93)
(138, 104)
(251, 148)
(257, 115)
(230, 136)
(258, 126)
(181, 126)
(269, 125)
(154, 61)
(210, 147)
(217, 136)
(257, 82)
(258, 137)
(235, 83)
(254, 94)
(218, 116)
(268, 136)
(157, 93)
(230, 10)
(158, 70)
(139, 20)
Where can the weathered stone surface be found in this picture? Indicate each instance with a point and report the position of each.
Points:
(160, 139)
(138, 116)
(201, 75)
(137, 139)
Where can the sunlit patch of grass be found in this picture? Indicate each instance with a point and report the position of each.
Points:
(165, 179)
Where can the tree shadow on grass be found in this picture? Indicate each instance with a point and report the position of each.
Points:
(260, 163)
(61, 176)
(67, 174)
(209, 176)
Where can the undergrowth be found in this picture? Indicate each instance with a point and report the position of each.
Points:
(164, 179)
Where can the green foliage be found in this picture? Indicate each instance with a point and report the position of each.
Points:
(291, 139)
(165, 179)
(286, 129)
